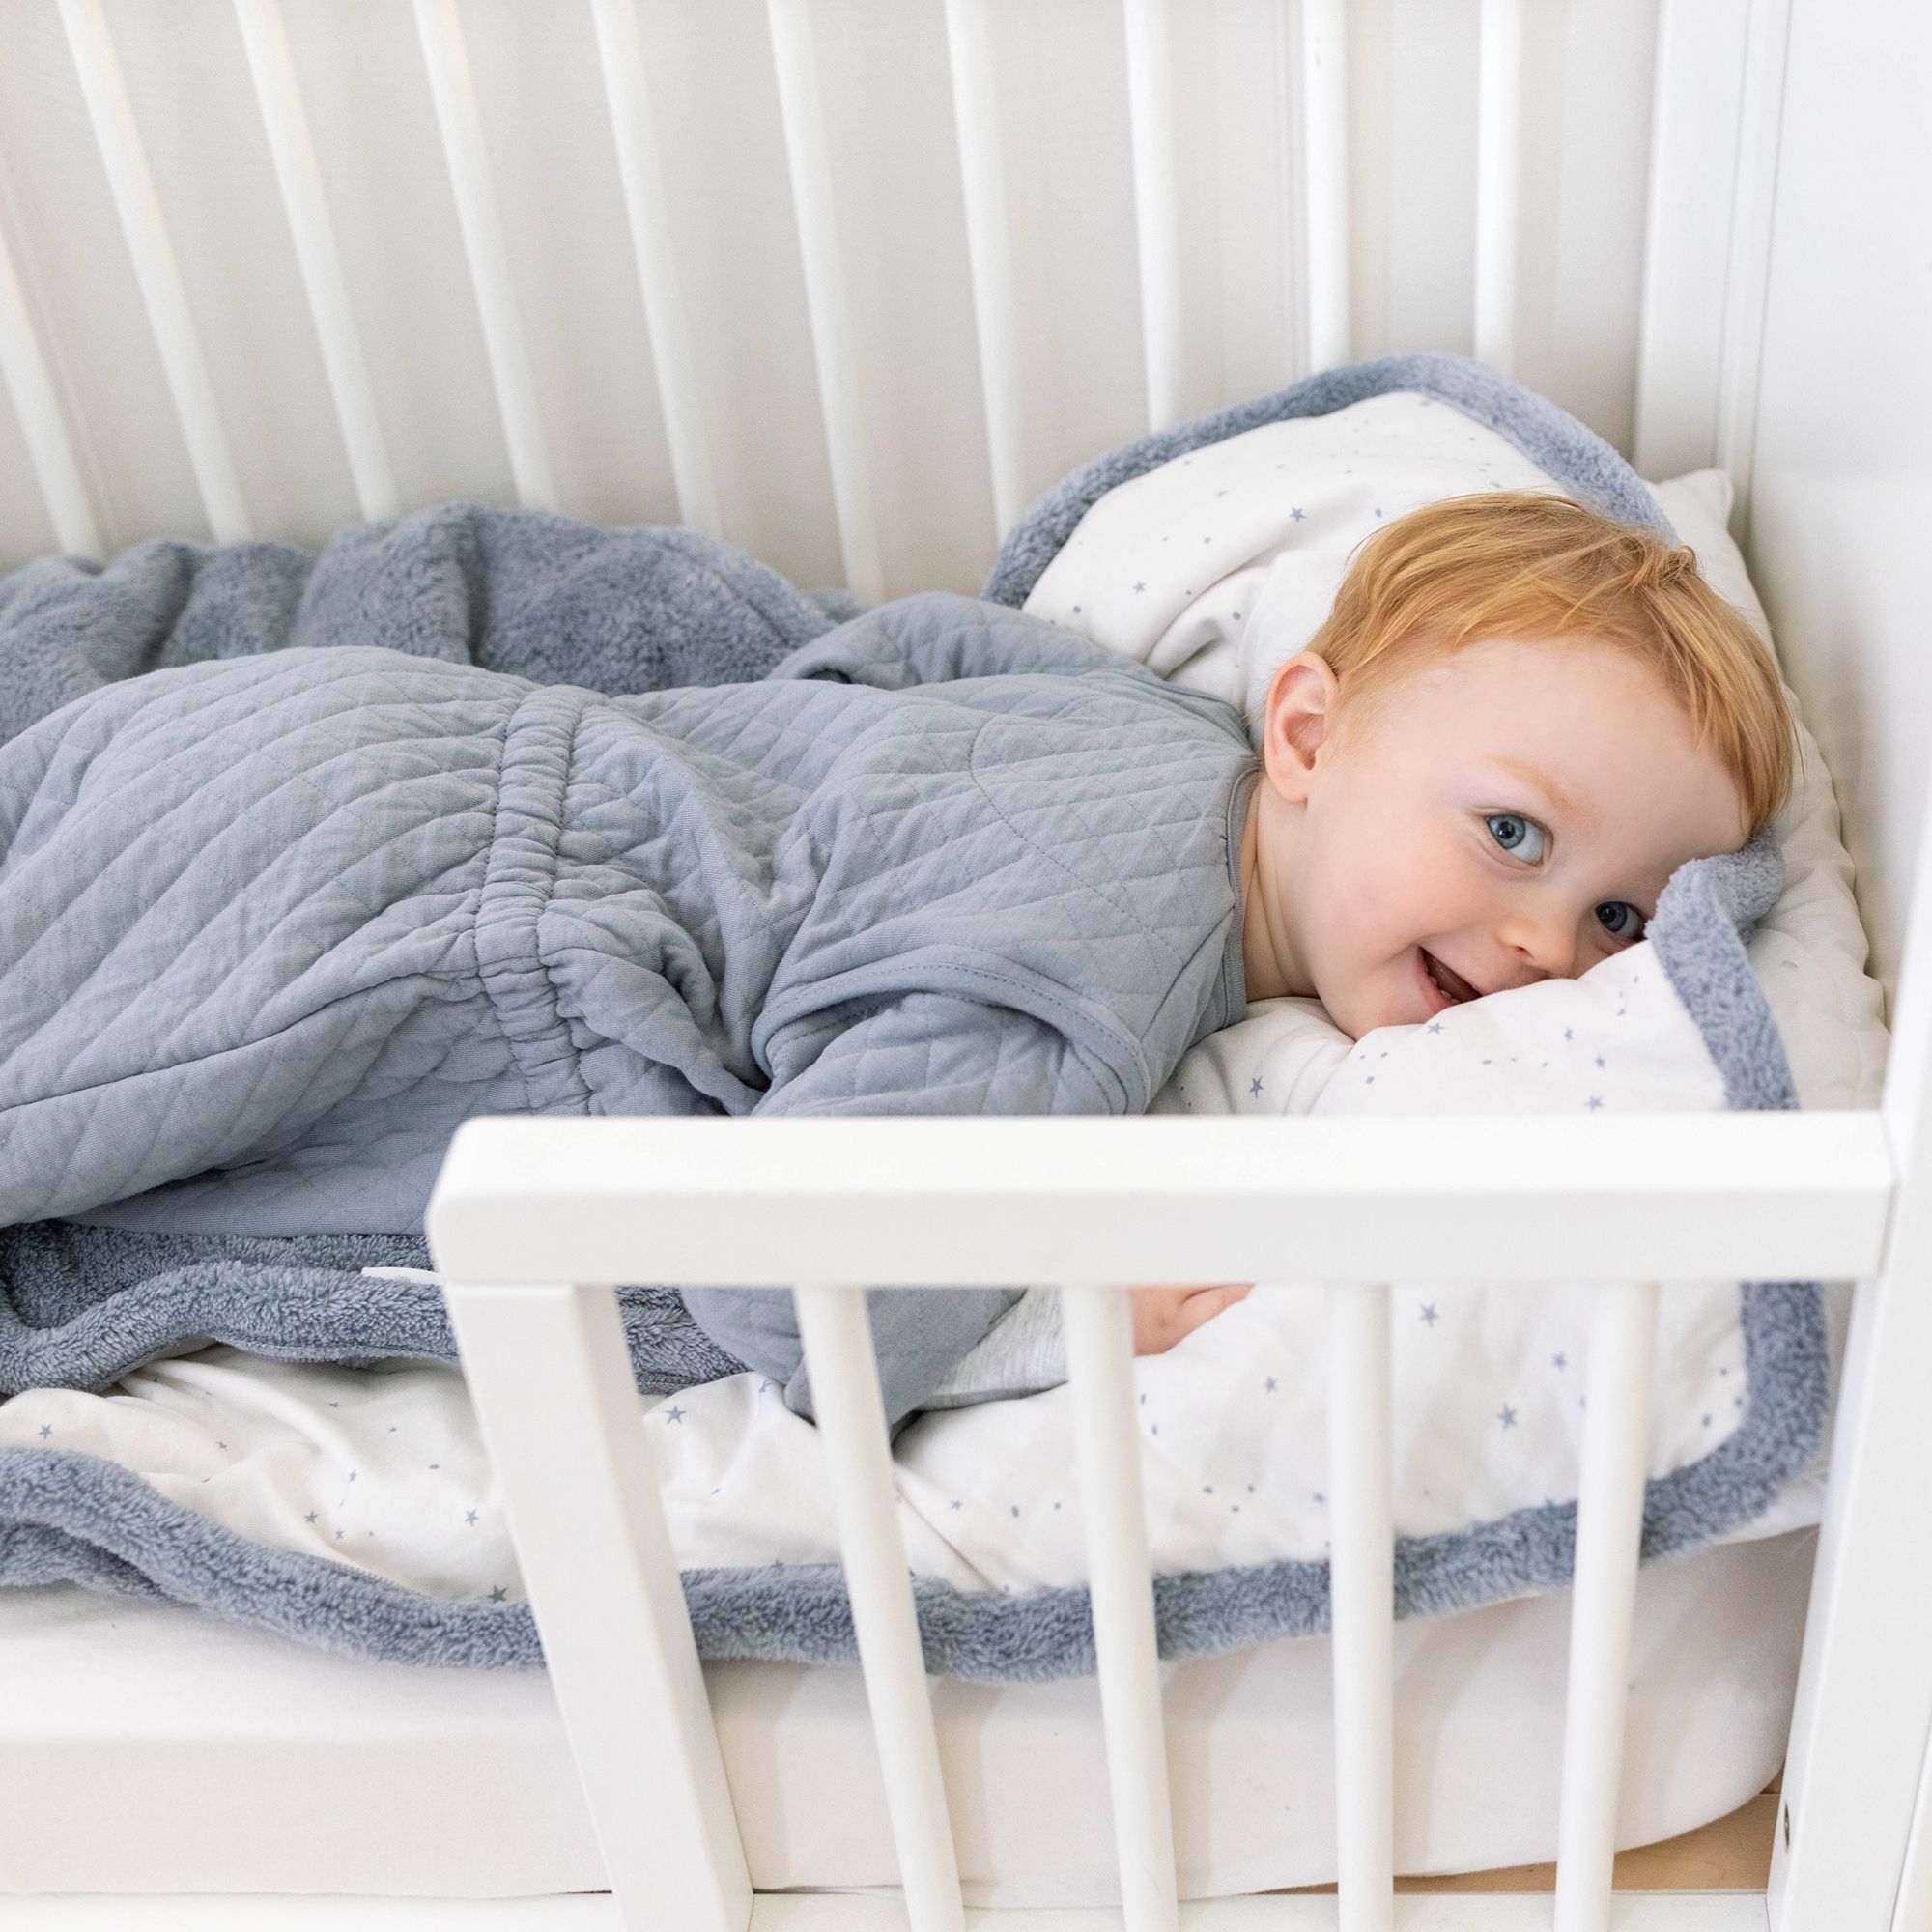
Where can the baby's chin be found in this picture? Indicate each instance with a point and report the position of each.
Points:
(1398, 995)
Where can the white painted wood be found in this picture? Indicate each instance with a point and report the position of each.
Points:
(466, 154)
(1676, 1197)
(43, 426)
(1841, 470)
(1696, 118)
(1914, 1886)
(837, 1337)
(1098, 1329)
(1468, 1912)
(1748, 273)
(1361, 1570)
(550, 1377)
(828, 297)
(265, 35)
(163, 295)
(1609, 1528)
(837, 1911)
(989, 245)
(1498, 171)
(1863, 1709)
(1151, 115)
(1324, 127)
(634, 122)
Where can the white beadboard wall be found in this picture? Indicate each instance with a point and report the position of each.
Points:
(1061, 67)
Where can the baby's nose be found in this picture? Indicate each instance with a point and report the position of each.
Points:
(1540, 942)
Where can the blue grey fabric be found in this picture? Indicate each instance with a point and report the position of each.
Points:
(72, 1315)
(83, 1305)
(272, 928)
(540, 596)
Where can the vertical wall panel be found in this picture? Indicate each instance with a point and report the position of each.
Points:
(465, 145)
(278, 90)
(634, 124)
(1060, 83)
(44, 431)
(164, 295)
(1695, 121)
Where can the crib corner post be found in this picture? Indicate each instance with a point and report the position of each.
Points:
(1853, 1848)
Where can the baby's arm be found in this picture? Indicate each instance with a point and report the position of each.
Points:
(1024, 1352)
(1163, 1316)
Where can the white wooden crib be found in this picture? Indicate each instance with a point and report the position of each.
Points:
(846, 282)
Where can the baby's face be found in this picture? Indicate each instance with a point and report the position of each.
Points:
(1505, 816)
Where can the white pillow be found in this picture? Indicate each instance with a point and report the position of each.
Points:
(1809, 955)
(1216, 567)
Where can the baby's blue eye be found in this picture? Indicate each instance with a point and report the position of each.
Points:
(1621, 920)
(1520, 838)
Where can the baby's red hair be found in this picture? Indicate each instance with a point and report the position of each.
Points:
(1532, 568)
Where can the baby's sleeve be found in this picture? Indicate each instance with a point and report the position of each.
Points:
(937, 638)
(921, 1053)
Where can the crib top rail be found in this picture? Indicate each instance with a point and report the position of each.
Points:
(986, 1202)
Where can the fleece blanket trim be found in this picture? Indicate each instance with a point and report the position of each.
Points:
(74, 1517)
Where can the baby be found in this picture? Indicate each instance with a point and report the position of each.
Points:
(1517, 722)
(272, 927)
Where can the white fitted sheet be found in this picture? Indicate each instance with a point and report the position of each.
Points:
(146, 1747)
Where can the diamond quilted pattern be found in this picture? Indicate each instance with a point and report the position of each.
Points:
(272, 927)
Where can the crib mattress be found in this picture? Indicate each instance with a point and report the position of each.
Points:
(146, 1747)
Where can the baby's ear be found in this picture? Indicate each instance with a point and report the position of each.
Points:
(1296, 722)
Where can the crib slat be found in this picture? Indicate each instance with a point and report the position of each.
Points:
(1325, 121)
(828, 297)
(264, 37)
(1610, 1523)
(1151, 113)
(639, 169)
(43, 428)
(989, 249)
(460, 122)
(837, 1337)
(1498, 163)
(550, 1375)
(1361, 1571)
(1106, 1430)
(163, 293)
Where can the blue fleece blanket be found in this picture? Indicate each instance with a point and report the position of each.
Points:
(632, 611)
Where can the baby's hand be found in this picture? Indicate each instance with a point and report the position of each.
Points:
(1163, 1316)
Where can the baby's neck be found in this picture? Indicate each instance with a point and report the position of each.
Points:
(1267, 952)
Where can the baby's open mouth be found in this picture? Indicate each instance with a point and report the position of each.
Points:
(1450, 984)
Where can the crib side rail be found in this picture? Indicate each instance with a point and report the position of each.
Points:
(995, 1202)
(531, 1217)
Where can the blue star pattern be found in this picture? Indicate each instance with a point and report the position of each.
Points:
(674, 1414)
(1506, 1415)
(1429, 1317)
(1255, 1085)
